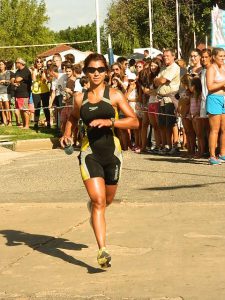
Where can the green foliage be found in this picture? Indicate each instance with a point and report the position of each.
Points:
(22, 22)
(128, 23)
(82, 33)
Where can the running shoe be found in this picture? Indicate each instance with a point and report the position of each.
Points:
(104, 258)
(221, 158)
(213, 161)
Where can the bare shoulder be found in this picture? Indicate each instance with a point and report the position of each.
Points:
(116, 96)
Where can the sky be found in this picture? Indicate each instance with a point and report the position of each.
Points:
(73, 13)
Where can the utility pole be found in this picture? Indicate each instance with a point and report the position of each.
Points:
(98, 27)
(193, 16)
(150, 24)
(178, 29)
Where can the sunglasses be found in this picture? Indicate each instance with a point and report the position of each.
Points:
(38, 61)
(92, 70)
(116, 69)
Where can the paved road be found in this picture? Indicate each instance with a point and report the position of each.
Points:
(165, 230)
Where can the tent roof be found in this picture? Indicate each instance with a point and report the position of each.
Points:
(57, 49)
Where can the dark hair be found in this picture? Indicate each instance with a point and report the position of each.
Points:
(215, 51)
(84, 80)
(65, 64)
(158, 62)
(3, 61)
(77, 68)
(121, 59)
(94, 57)
(9, 64)
(70, 57)
(36, 59)
(54, 68)
(207, 50)
(197, 51)
(132, 62)
(196, 82)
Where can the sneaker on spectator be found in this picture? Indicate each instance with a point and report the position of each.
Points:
(221, 158)
(164, 151)
(173, 151)
(213, 161)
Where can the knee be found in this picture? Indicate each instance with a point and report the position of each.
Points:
(99, 203)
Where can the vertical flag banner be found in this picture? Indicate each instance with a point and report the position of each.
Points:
(218, 27)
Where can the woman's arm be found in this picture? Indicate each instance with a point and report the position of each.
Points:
(213, 86)
(130, 121)
(73, 120)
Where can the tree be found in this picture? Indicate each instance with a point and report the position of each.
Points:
(22, 22)
(82, 33)
(128, 23)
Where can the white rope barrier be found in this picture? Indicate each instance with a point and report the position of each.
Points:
(33, 109)
(44, 45)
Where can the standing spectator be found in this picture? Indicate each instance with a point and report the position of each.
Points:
(168, 82)
(146, 56)
(22, 82)
(215, 80)
(203, 121)
(124, 64)
(67, 97)
(11, 94)
(132, 63)
(77, 71)
(195, 103)
(153, 106)
(4, 98)
(40, 92)
(57, 91)
(195, 67)
(57, 60)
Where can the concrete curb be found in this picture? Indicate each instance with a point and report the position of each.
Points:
(32, 145)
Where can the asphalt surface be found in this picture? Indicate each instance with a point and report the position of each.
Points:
(165, 230)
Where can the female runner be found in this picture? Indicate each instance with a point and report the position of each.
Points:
(101, 156)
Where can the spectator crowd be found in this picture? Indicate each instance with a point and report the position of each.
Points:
(179, 104)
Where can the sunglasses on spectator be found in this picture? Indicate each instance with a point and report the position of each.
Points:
(138, 66)
(38, 61)
(92, 70)
(115, 69)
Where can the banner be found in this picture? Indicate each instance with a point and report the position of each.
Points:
(218, 27)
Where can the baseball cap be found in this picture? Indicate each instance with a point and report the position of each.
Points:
(131, 76)
(20, 60)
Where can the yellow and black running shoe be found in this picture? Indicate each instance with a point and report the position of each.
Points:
(104, 258)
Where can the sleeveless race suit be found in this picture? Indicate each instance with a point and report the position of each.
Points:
(101, 154)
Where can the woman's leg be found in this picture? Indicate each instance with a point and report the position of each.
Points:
(45, 103)
(7, 113)
(144, 130)
(97, 192)
(37, 106)
(222, 136)
(214, 124)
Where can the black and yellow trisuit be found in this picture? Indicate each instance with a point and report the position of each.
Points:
(101, 153)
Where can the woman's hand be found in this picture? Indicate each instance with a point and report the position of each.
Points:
(101, 123)
(65, 140)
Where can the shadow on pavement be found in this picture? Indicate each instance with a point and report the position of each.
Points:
(176, 187)
(48, 245)
(174, 159)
